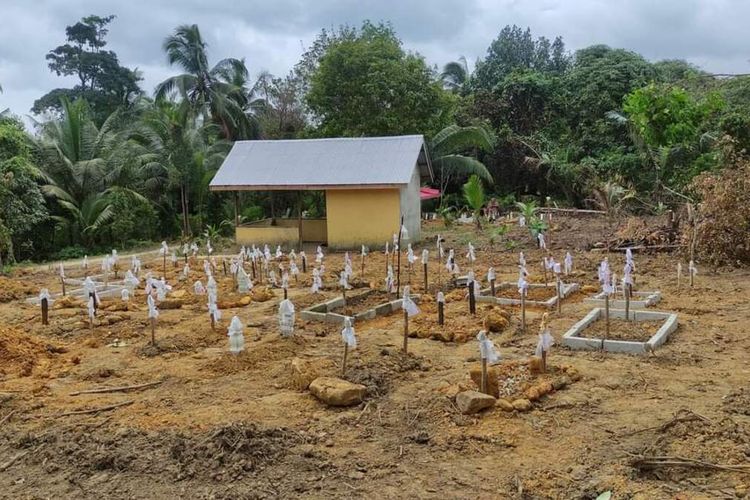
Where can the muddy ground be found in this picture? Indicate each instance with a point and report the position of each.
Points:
(672, 424)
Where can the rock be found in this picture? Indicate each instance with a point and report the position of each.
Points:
(460, 338)
(493, 387)
(589, 289)
(170, 304)
(456, 295)
(262, 294)
(245, 300)
(305, 371)
(495, 321)
(522, 405)
(561, 382)
(443, 336)
(504, 405)
(179, 294)
(470, 402)
(532, 393)
(337, 392)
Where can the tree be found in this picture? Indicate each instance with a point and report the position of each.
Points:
(456, 75)
(103, 82)
(82, 164)
(447, 148)
(183, 154)
(22, 203)
(515, 49)
(475, 198)
(368, 85)
(216, 92)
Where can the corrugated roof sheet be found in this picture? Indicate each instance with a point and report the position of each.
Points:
(306, 163)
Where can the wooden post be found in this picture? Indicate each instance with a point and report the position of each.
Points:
(472, 299)
(606, 316)
(153, 330)
(213, 321)
(424, 268)
(484, 376)
(224, 265)
(304, 264)
(164, 265)
(363, 268)
(441, 313)
(92, 295)
(627, 301)
(343, 363)
(252, 267)
(544, 361)
(559, 294)
(523, 310)
(692, 273)
(45, 311)
(62, 281)
(406, 331)
(492, 287)
(544, 266)
(343, 296)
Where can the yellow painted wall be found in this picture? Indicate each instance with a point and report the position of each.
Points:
(361, 216)
(312, 229)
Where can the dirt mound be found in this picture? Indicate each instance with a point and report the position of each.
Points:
(13, 290)
(20, 352)
(227, 453)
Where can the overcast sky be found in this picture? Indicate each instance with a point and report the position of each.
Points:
(270, 35)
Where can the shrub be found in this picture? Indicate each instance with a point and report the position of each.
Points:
(723, 222)
(72, 252)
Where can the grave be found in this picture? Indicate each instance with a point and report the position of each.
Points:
(536, 294)
(638, 300)
(325, 311)
(575, 339)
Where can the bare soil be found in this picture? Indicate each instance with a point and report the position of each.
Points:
(619, 329)
(672, 424)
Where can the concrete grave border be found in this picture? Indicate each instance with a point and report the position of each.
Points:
(567, 289)
(574, 338)
(322, 311)
(647, 299)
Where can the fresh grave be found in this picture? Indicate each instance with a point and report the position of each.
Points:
(537, 294)
(361, 306)
(643, 300)
(624, 335)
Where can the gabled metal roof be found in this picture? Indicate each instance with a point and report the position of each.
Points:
(341, 163)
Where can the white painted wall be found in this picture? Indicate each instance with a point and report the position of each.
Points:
(411, 206)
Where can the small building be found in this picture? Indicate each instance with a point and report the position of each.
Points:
(370, 184)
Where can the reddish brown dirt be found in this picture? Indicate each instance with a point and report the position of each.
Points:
(634, 331)
(223, 426)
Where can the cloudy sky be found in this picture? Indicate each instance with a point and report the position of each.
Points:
(271, 35)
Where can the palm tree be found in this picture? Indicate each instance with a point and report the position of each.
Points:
(446, 150)
(455, 75)
(475, 198)
(209, 90)
(182, 152)
(82, 165)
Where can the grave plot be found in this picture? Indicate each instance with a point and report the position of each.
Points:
(518, 384)
(538, 294)
(458, 326)
(643, 332)
(638, 300)
(361, 306)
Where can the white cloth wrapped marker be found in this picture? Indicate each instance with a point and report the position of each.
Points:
(286, 318)
(236, 337)
(545, 341)
(568, 263)
(487, 349)
(407, 304)
(153, 312)
(347, 334)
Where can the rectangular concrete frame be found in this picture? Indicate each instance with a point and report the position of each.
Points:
(321, 312)
(79, 293)
(648, 299)
(573, 338)
(567, 289)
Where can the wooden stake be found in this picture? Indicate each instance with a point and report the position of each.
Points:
(544, 361)
(406, 331)
(362, 274)
(559, 294)
(472, 299)
(62, 281)
(484, 376)
(343, 296)
(45, 311)
(343, 363)
(424, 268)
(606, 316)
(304, 264)
(213, 322)
(627, 301)
(544, 266)
(398, 269)
(523, 311)
(286, 296)
(164, 264)
(441, 313)
(224, 265)
(492, 287)
(153, 330)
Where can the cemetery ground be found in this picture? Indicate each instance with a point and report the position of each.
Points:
(198, 422)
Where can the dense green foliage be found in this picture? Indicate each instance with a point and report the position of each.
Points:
(533, 123)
